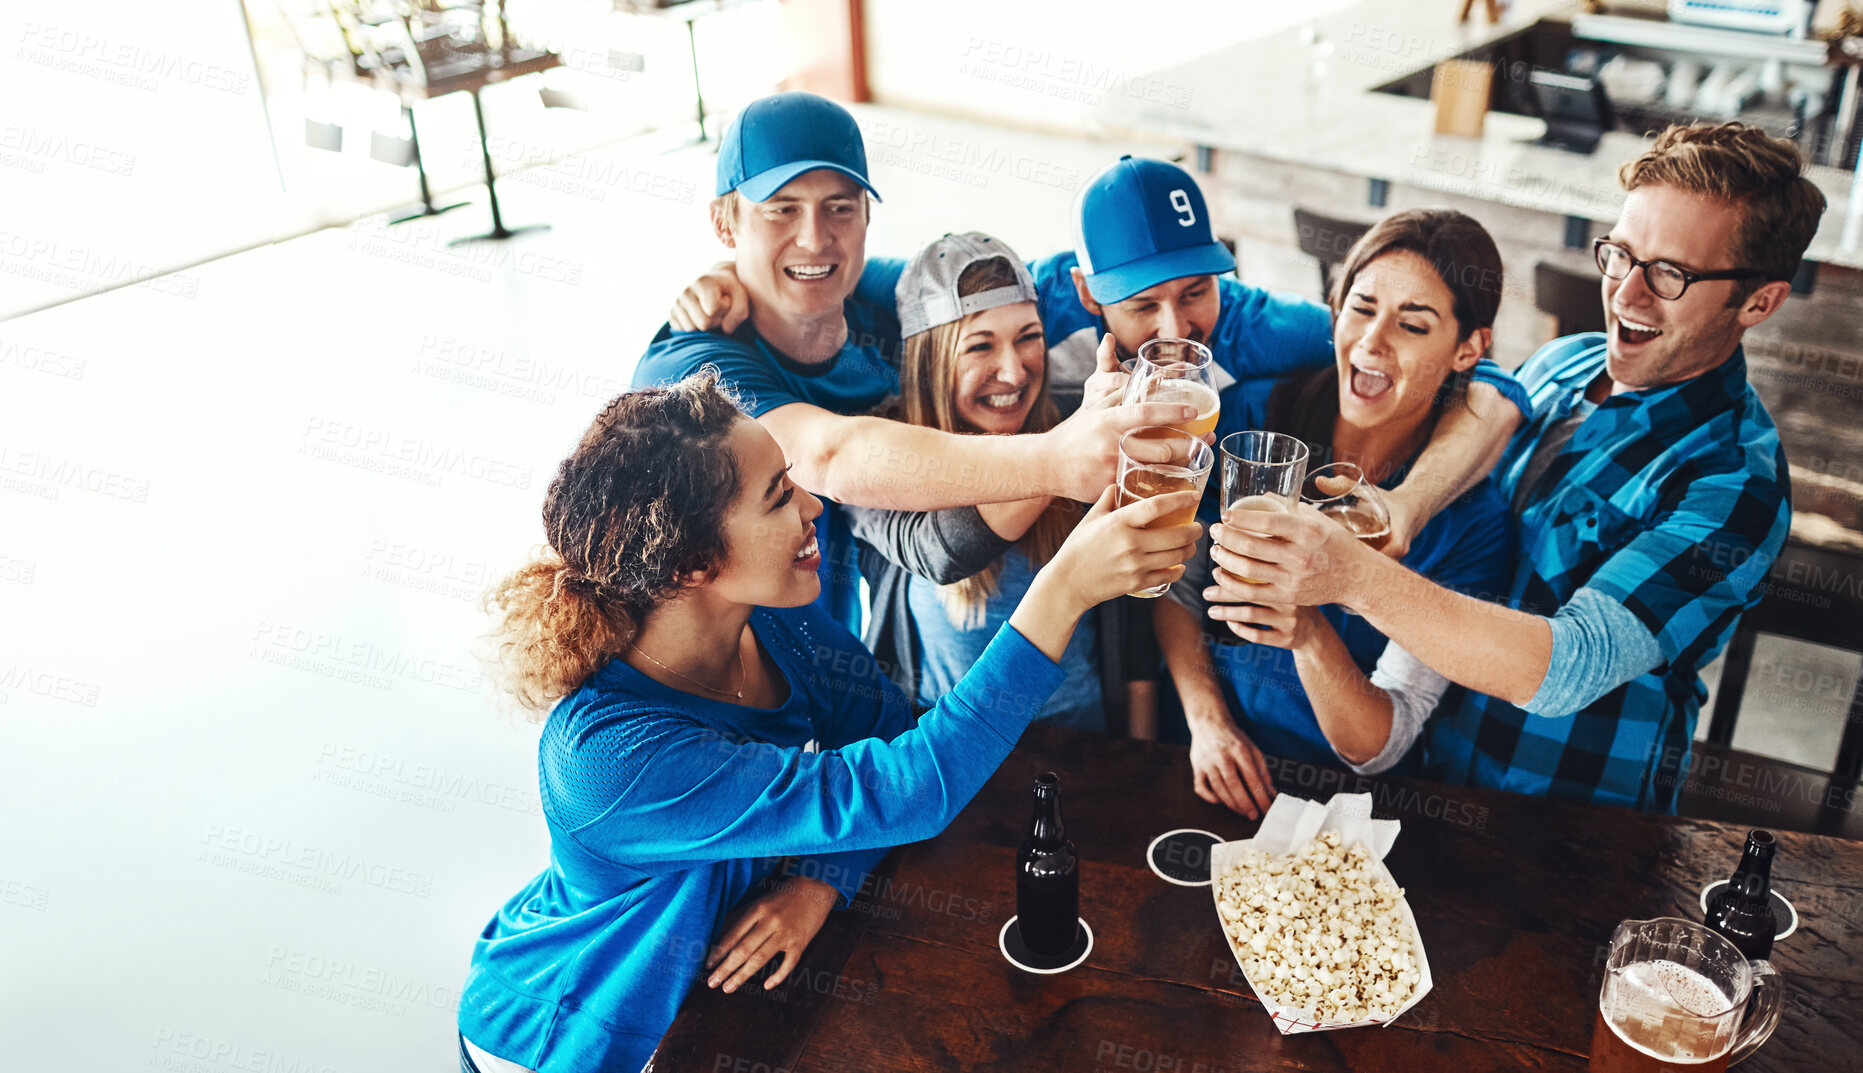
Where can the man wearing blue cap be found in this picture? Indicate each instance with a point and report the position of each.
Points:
(811, 359)
(1145, 265)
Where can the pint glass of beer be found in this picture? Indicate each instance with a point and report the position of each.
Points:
(1156, 459)
(1176, 370)
(1675, 998)
(1262, 471)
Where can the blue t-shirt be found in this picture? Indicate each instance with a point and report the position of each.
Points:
(665, 809)
(947, 652)
(865, 372)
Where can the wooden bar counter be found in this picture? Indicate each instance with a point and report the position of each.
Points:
(1515, 898)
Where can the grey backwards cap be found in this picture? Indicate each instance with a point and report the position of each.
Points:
(927, 291)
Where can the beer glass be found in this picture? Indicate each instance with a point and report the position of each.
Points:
(1675, 997)
(1176, 370)
(1262, 471)
(1340, 491)
(1156, 459)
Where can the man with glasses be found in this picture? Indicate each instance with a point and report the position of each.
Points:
(1651, 489)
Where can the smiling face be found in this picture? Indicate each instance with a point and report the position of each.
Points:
(1655, 341)
(1396, 340)
(997, 376)
(771, 555)
(1185, 308)
(800, 253)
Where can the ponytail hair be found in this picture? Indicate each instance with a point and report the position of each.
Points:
(632, 513)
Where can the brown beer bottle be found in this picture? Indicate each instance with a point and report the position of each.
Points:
(1742, 910)
(1047, 876)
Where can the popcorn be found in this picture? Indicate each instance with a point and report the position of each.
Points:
(1318, 929)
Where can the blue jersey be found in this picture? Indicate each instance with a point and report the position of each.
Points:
(853, 382)
(665, 809)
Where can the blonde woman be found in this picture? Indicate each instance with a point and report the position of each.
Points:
(974, 361)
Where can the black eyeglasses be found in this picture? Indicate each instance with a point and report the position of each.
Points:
(1665, 280)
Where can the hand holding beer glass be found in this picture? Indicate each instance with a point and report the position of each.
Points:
(1340, 491)
(1176, 370)
(1262, 472)
(1155, 460)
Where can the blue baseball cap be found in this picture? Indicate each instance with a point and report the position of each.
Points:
(1142, 222)
(777, 138)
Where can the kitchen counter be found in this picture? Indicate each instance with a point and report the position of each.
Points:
(1325, 113)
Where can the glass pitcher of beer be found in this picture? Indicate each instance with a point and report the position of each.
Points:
(1676, 997)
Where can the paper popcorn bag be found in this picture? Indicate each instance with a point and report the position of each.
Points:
(1292, 823)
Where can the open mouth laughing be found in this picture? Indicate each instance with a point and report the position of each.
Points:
(1635, 333)
(1004, 402)
(808, 557)
(1369, 384)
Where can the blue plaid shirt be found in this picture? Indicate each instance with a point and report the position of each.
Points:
(1673, 502)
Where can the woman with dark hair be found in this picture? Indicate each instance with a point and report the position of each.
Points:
(707, 722)
(1413, 311)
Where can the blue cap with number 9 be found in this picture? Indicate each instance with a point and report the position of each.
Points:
(1142, 222)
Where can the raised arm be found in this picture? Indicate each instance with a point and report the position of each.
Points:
(1306, 559)
(874, 462)
(665, 789)
(1645, 604)
(945, 546)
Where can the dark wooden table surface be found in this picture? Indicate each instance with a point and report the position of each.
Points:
(1515, 898)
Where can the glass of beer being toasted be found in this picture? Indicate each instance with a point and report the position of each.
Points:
(1262, 471)
(1340, 491)
(1158, 459)
(1176, 370)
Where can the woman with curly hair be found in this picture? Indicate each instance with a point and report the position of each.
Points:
(705, 722)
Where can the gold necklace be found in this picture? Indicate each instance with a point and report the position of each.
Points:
(738, 692)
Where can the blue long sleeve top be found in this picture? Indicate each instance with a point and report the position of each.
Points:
(665, 808)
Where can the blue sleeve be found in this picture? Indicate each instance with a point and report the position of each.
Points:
(1660, 577)
(1597, 646)
(1487, 372)
(1056, 300)
(841, 726)
(879, 281)
(673, 356)
(671, 790)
